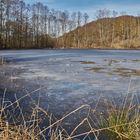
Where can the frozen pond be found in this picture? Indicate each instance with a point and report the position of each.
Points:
(67, 79)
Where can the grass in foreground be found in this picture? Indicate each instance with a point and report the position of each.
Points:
(122, 123)
(116, 123)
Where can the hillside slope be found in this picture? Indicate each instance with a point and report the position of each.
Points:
(118, 32)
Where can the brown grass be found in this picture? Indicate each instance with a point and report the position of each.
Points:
(1, 60)
(117, 123)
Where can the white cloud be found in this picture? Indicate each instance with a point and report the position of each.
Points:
(43, 1)
(129, 9)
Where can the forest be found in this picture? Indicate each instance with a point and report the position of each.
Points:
(121, 32)
(27, 26)
(34, 26)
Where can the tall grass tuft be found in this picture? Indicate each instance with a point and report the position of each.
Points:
(121, 123)
(2, 61)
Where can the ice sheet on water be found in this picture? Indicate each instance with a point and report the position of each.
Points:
(77, 74)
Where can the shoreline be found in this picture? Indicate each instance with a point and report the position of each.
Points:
(137, 49)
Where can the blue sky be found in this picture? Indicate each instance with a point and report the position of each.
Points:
(90, 6)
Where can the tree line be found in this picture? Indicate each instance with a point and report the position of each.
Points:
(34, 26)
(25, 25)
(110, 30)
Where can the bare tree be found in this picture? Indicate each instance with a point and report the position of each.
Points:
(86, 17)
(79, 18)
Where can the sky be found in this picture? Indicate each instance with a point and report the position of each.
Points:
(91, 6)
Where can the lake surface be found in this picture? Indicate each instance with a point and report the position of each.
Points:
(72, 76)
(67, 79)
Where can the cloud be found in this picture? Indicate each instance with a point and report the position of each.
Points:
(91, 6)
(42, 1)
(130, 9)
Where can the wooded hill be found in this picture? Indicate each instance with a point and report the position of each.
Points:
(24, 26)
(114, 32)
